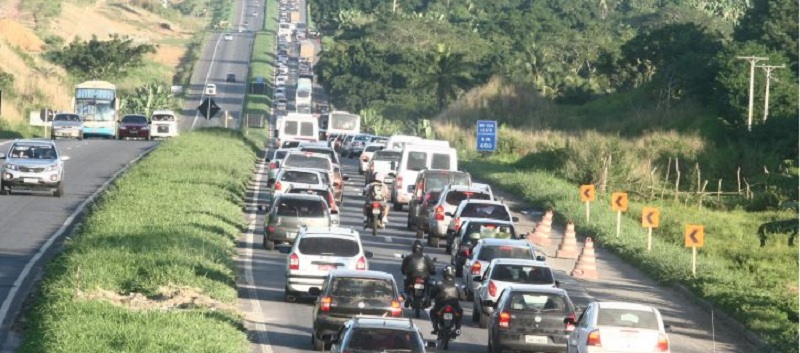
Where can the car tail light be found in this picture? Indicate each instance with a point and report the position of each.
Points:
(399, 182)
(439, 213)
(294, 262)
(271, 229)
(492, 288)
(376, 205)
(593, 339)
(396, 310)
(476, 268)
(448, 309)
(273, 165)
(278, 185)
(457, 224)
(325, 303)
(361, 264)
(570, 326)
(663, 343)
(505, 319)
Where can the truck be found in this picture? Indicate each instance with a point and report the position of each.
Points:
(307, 50)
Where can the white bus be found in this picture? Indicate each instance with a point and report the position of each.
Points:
(97, 104)
(298, 127)
(341, 122)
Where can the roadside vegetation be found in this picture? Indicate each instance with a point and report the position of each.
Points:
(643, 96)
(151, 268)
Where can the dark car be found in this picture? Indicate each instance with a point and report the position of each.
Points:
(379, 335)
(230, 78)
(470, 233)
(531, 319)
(134, 126)
(346, 293)
(428, 180)
(290, 212)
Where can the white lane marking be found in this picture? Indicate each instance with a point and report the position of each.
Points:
(261, 329)
(388, 239)
(68, 222)
(208, 74)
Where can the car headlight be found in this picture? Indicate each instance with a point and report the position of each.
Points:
(52, 168)
(11, 166)
(123, 127)
(146, 128)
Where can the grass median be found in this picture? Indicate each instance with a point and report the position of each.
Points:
(262, 63)
(151, 268)
(757, 286)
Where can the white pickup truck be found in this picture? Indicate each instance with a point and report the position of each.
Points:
(382, 161)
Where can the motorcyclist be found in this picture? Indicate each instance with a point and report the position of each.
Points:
(447, 292)
(414, 266)
(375, 195)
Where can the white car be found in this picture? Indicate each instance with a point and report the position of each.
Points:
(228, 36)
(382, 162)
(280, 80)
(298, 178)
(366, 156)
(449, 200)
(472, 208)
(619, 327)
(316, 252)
(489, 249)
(501, 274)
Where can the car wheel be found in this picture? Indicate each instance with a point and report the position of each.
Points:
(59, 190)
(433, 241)
(319, 345)
(269, 245)
(475, 313)
(483, 322)
(492, 347)
(289, 296)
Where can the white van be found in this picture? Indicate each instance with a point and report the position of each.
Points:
(163, 124)
(299, 127)
(397, 142)
(415, 158)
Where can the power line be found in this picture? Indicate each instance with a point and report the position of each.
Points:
(752, 60)
(768, 70)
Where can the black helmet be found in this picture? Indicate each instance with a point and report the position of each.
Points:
(417, 247)
(449, 271)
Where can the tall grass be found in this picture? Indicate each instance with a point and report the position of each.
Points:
(167, 225)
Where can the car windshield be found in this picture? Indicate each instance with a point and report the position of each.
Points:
(328, 246)
(387, 156)
(383, 340)
(489, 253)
(351, 289)
(32, 152)
(67, 117)
(303, 161)
(301, 208)
(438, 180)
(537, 302)
(296, 176)
(523, 274)
(627, 318)
(134, 119)
(482, 210)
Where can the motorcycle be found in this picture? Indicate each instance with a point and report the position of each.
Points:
(372, 216)
(447, 326)
(419, 295)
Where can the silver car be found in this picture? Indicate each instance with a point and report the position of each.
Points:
(275, 163)
(487, 250)
(67, 125)
(33, 165)
(290, 213)
(298, 177)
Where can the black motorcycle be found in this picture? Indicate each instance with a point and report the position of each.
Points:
(420, 291)
(372, 215)
(447, 326)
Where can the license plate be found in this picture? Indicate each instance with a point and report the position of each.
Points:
(376, 211)
(419, 286)
(327, 267)
(30, 180)
(448, 316)
(536, 339)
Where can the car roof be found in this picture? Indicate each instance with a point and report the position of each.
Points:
(34, 142)
(330, 230)
(309, 154)
(486, 202)
(457, 187)
(405, 324)
(501, 242)
(517, 287)
(306, 170)
(507, 261)
(362, 274)
(624, 305)
(488, 220)
(300, 196)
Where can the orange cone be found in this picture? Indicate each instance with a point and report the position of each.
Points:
(586, 267)
(547, 222)
(539, 236)
(569, 246)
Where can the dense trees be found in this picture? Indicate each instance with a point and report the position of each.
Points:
(95, 59)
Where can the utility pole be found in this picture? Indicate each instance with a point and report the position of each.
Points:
(768, 70)
(752, 60)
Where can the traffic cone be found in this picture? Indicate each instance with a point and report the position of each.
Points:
(586, 267)
(547, 222)
(539, 236)
(569, 246)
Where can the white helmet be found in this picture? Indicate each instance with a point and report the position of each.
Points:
(378, 176)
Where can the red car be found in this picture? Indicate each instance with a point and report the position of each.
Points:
(134, 126)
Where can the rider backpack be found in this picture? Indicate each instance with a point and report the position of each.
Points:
(377, 192)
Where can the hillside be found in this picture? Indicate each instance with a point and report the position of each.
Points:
(38, 83)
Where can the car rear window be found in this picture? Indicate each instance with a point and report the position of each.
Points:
(489, 253)
(417, 161)
(301, 208)
(439, 179)
(290, 144)
(373, 148)
(383, 340)
(294, 176)
(440, 161)
(538, 302)
(387, 156)
(481, 210)
(323, 193)
(455, 197)
(357, 289)
(523, 274)
(627, 318)
(281, 154)
(327, 151)
(303, 161)
(477, 230)
(328, 246)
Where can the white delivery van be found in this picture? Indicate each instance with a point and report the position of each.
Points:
(163, 124)
(397, 142)
(298, 127)
(415, 158)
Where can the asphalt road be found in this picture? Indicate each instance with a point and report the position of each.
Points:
(29, 221)
(219, 58)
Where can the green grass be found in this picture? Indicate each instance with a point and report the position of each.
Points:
(753, 284)
(171, 221)
(309, 19)
(262, 62)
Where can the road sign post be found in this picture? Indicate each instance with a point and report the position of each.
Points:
(619, 203)
(487, 135)
(587, 195)
(694, 237)
(650, 219)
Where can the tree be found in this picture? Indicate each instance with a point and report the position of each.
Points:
(147, 98)
(96, 59)
(447, 76)
(774, 24)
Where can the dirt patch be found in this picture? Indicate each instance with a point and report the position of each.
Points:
(20, 36)
(168, 298)
(169, 55)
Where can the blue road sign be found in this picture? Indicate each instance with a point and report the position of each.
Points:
(487, 135)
